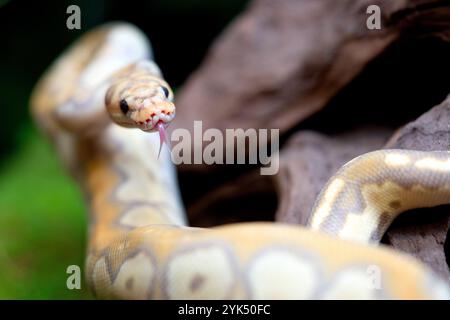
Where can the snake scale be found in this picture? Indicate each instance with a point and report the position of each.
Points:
(140, 246)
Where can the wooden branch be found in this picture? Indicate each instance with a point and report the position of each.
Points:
(281, 61)
(307, 162)
(422, 233)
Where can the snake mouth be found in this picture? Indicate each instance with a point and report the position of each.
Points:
(157, 126)
(151, 124)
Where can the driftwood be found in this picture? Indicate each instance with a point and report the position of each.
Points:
(307, 162)
(282, 61)
(422, 233)
(305, 67)
(309, 159)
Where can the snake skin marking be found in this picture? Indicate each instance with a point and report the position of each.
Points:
(329, 198)
(202, 271)
(136, 277)
(100, 276)
(413, 197)
(396, 160)
(125, 182)
(294, 274)
(141, 215)
(353, 282)
(134, 189)
(433, 164)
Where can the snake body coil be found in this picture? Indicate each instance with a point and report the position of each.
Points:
(139, 244)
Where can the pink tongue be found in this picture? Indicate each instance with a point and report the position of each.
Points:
(163, 138)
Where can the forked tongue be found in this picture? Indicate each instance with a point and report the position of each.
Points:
(163, 138)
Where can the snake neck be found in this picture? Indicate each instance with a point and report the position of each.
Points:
(126, 185)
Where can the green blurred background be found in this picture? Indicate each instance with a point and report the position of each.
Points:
(42, 216)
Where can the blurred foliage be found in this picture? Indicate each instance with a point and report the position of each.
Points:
(42, 224)
(42, 217)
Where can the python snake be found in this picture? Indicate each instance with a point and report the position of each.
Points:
(139, 244)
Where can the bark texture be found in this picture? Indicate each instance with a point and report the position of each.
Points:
(301, 66)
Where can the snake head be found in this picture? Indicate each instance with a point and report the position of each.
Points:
(140, 101)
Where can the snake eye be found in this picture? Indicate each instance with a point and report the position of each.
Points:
(166, 91)
(124, 106)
